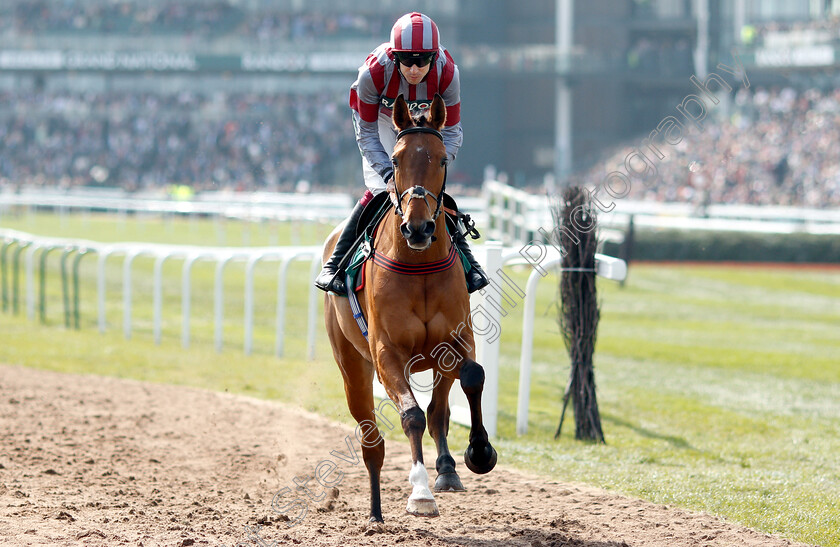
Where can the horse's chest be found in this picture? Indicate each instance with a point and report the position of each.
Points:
(426, 318)
(439, 319)
(438, 326)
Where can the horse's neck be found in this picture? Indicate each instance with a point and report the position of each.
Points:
(392, 243)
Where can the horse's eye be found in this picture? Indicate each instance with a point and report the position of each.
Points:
(394, 162)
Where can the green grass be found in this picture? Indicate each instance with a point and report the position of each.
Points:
(719, 387)
(179, 230)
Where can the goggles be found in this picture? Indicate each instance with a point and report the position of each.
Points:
(419, 58)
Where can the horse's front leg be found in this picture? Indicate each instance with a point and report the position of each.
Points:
(438, 412)
(480, 456)
(421, 502)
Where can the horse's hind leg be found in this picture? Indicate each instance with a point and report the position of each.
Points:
(358, 388)
(480, 456)
(438, 413)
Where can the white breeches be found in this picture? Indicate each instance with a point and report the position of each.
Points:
(388, 138)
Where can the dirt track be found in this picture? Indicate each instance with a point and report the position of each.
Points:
(100, 461)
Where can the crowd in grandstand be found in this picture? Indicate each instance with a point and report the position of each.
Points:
(140, 140)
(270, 26)
(120, 17)
(209, 19)
(777, 147)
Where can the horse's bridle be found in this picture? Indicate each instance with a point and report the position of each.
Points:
(418, 192)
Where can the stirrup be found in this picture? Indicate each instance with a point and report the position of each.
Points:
(335, 284)
(476, 285)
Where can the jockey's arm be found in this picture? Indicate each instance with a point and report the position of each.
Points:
(453, 134)
(453, 138)
(367, 137)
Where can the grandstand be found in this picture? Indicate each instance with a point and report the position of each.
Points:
(251, 94)
(142, 140)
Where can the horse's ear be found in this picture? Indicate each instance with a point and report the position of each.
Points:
(401, 115)
(437, 112)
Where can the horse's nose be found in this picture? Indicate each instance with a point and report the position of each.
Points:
(428, 228)
(405, 229)
(417, 234)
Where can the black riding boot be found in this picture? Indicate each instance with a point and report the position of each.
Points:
(476, 278)
(331, 277)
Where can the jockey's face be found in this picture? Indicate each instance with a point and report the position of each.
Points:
(414, 74)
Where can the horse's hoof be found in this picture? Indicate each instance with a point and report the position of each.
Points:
(449, 482)
(480, 461)
(376, 524)
(422, 508)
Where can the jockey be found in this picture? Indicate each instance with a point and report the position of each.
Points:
(413, 64)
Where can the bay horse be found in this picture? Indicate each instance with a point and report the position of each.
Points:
(412, 319)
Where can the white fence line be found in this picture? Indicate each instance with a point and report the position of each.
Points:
(511, 215)
(190, 254)
(515, 216)
(483, 304)
(251, 206)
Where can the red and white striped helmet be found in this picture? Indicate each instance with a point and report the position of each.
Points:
(414, 32)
